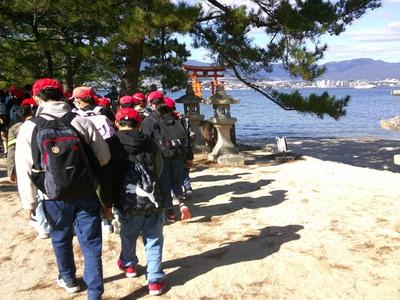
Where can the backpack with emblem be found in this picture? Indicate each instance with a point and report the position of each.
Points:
(170, 135)
(139, 192)
(103, 124)
(61, 168)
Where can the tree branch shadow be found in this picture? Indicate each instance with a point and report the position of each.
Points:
(207, 193)
(236, 204)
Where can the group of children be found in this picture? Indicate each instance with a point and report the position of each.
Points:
(136, 142)
(150, 168)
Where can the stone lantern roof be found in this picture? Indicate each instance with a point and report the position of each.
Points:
(221, 97)
(189, 97)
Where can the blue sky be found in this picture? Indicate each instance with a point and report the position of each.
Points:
(375, 35)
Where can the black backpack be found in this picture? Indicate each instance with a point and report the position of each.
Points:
(60, 168)
(171, 136)
(139, 192)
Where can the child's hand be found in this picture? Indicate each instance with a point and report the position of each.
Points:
(189, 163)
(32, 214)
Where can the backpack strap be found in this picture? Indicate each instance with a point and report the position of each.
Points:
(92, 163)
(97, 110)
(66, 120)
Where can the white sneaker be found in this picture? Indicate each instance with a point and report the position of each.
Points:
(107, 228)
(70, 287)
(43, 235)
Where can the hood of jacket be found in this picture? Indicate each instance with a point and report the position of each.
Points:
(134, 141)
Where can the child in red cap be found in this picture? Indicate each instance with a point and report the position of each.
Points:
(126, 101)
(77, 208)
(140, 211)
(173, 174)
(141, 104)
(179, 187)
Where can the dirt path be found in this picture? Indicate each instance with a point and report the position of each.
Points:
(307, 229)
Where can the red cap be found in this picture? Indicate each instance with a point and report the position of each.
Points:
(43, 83)
(139, 98)
(103, 101)
(29, 101)
(127, 113)
(127, 100)
(169, 102)
(16, 92)
(82, 92)
(67, 95)
(154, 96)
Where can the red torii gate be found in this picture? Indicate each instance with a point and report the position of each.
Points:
(195, 72)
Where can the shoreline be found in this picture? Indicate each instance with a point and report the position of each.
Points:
(366, 152)
(261, 140)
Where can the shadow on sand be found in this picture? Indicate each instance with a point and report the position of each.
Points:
(237, 188)
(236, 204)
(256, 247)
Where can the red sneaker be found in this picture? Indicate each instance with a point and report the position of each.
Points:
(129, 271)
(156, 288)
(185, 212)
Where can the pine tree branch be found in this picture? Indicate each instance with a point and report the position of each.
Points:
(219, 5)
(209, 17)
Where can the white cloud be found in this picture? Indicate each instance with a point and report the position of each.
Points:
(389, 33)
(375, 51)
(395, 26)
(376, 35)
(391, 2)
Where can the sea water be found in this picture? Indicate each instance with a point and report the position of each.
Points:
(259, 118)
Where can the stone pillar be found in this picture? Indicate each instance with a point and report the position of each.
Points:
(392, 124)
(224, 151)
(224, 143)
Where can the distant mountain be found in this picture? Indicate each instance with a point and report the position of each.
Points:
(354, 69)
(362, 68)
(193, 62)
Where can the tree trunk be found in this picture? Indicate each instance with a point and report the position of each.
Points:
(134, 57)
(69, 74)
(50, 63)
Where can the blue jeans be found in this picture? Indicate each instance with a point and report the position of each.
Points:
(83, 215)
(186, 179)
(171, 179)
(151, 229)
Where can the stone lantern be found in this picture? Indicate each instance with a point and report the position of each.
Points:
(191, 106)
(224, 150)
(392, 124)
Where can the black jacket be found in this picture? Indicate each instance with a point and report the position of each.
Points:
(132, 145)
(149, 127)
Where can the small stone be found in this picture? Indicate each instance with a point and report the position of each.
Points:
(396, 159)
(391, 124)
(231, 160)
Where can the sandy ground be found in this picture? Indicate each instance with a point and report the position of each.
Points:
(303, 229)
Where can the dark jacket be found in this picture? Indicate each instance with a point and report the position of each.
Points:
(132, 145)
(149, 127)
